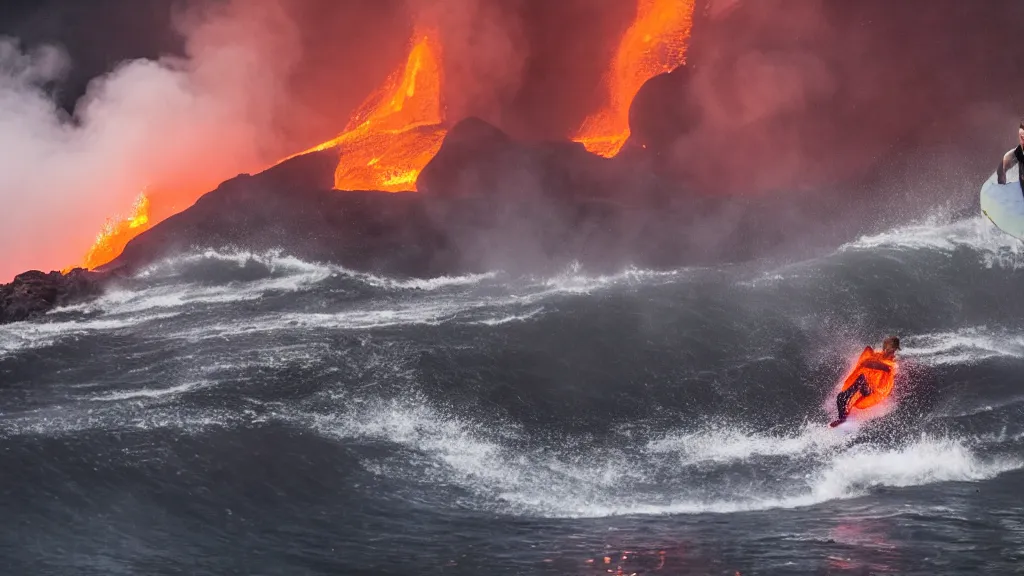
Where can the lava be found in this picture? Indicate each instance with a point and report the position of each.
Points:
(116, 232)
(654, 44)
(398, 129)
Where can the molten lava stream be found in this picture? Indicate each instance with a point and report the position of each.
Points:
(390, 162)
(654, 44)
(116, 232)
(398, 129)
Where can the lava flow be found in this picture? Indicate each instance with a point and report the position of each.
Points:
(397, 129)
(116, 232)
(655, 43)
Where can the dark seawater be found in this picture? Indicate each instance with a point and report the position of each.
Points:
(254, 414)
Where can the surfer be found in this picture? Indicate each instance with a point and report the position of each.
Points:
(873, 374)
(1015, 156)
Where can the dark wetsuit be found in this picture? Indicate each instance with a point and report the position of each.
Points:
(843, 400)
(1019, 154)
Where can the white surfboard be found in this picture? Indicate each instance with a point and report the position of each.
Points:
(1003, 204)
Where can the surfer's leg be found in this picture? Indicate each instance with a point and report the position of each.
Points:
(843, 399)
(862, 386)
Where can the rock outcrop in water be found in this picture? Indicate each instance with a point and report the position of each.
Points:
(33, 293)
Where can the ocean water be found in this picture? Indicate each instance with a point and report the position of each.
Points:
(235, 413)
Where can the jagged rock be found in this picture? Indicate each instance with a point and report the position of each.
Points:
(34, 293)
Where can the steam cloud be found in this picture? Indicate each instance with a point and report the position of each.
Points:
(817, 96)
(176, 125)
(484, 53)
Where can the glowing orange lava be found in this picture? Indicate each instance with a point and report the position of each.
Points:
(655, 43)
(116, 232)
(397, 129)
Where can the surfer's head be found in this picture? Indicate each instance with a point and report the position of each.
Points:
(1020, 133)
(890, 345)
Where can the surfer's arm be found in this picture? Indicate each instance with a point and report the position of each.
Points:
(1009, 159)
(876, 365)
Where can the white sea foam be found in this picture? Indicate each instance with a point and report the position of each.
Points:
(277, 262)
(127, 301)
(68, 420)
(510, 318)
(575, 481)
(731, 443)
(151, 393)
(273, 260)
(964, 346)
(940, 233)
(498, 306)
(30, 335)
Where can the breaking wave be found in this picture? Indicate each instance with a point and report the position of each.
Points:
(717, 470)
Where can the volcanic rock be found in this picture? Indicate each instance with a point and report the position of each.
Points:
(293, 206)
(34, 293)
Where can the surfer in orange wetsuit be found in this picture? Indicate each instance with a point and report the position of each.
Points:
(873, 374)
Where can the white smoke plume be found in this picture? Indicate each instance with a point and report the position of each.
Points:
(176, 125)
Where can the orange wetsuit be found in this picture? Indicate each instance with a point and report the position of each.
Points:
(873, 377)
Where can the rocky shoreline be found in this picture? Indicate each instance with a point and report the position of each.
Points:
(34, 293)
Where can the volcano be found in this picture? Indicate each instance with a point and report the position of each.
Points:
(726, 133)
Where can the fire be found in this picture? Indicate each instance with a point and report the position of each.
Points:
(397, 129)
(655, 43)
(116, 232)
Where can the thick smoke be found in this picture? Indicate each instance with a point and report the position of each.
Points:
(833, 91)
(484, 53)
(176, 126)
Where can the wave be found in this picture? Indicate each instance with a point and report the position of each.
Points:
(273, 261)
(941, 233)
(493, 305)
(20, 336)
(964, 346)
(277, 262)
(713, 470)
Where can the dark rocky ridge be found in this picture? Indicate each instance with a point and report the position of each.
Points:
(33, 293)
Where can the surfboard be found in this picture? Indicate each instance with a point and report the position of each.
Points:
(1003, 205)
